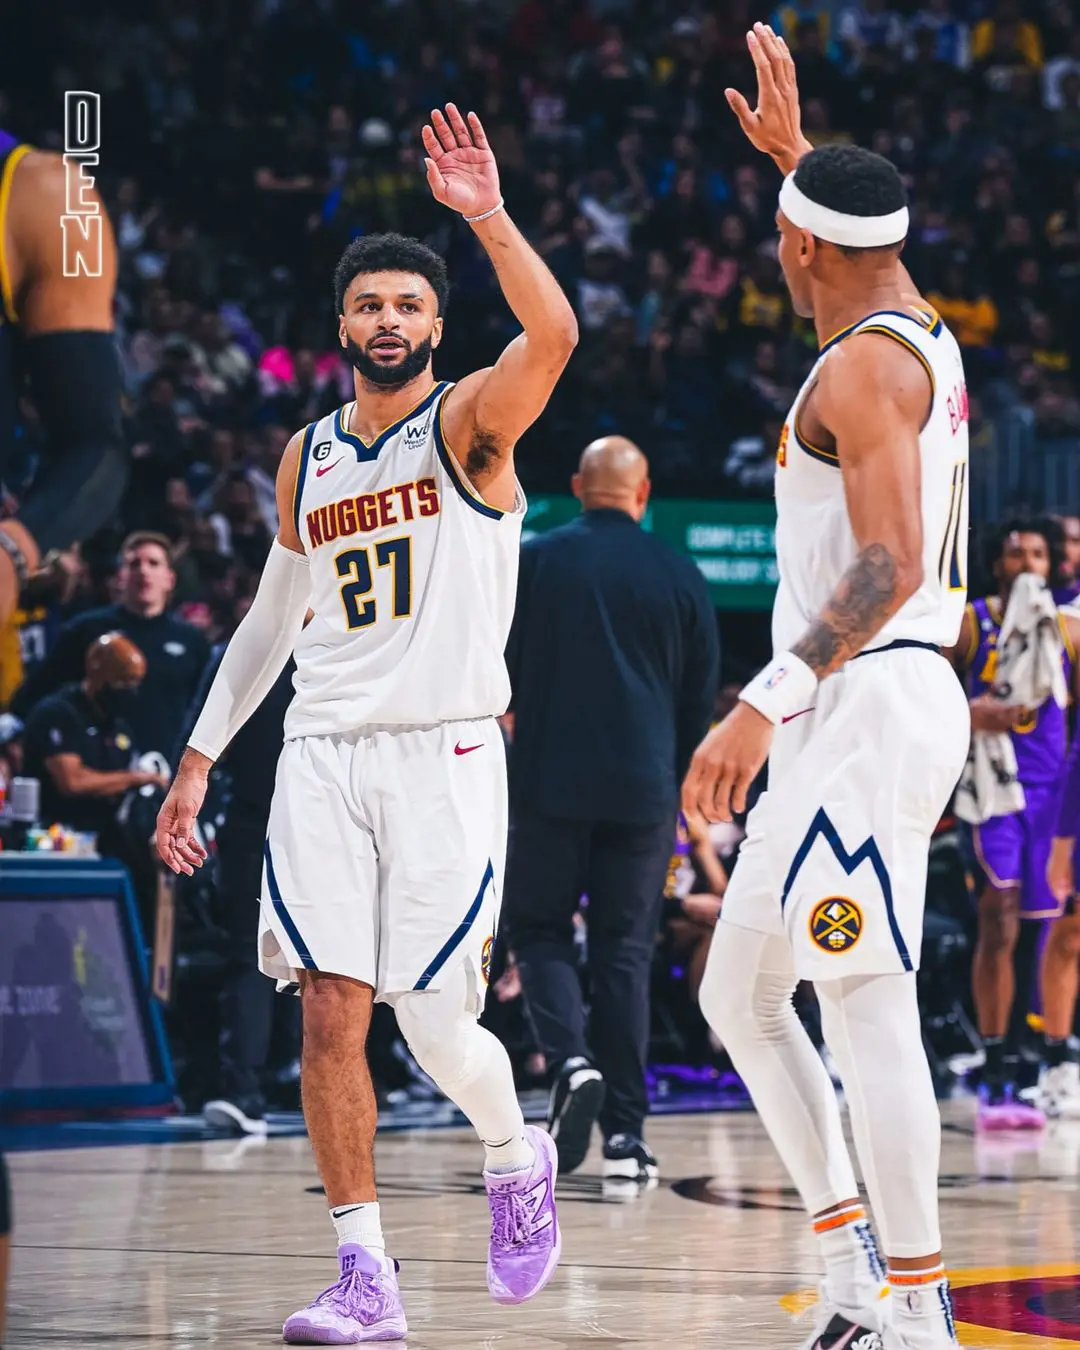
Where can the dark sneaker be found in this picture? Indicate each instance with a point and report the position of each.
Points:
(842, 1334)
(238, 1114)
(576, 1098)
(630, 1159)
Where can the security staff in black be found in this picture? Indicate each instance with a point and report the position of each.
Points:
(57, 346)
(250, 1010)
(614, 662)
(80, 744)
(176, 652)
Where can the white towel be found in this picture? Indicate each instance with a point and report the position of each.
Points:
(1029, 671)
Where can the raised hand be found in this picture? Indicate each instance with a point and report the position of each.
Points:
(461, 170)
(775, 125)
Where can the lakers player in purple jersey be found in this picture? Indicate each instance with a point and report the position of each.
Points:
(1013, 850)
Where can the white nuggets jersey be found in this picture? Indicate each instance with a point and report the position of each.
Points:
(413, 580)
(814, 540)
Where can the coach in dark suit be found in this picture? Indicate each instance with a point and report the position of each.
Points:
(614, 662)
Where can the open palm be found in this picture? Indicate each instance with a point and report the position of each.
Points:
(461, 170)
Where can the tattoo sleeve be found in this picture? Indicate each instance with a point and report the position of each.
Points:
(865, 599)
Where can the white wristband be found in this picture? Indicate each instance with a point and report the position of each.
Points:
(785, 687)
(471, 220)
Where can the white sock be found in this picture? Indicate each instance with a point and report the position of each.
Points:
(515, 1154)
(922, 1308)
(854, 1271)
(359, 1224)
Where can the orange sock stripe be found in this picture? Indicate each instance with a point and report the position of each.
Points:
(839, 1220)
(911, 1279)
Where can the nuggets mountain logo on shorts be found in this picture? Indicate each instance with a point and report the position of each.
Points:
(836, 924)
(485, 959)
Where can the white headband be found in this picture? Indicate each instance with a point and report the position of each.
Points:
(836, 227)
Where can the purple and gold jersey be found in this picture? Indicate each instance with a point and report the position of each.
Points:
(680, 875)
(1040, 740)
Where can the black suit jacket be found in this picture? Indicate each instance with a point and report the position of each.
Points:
(614, 660)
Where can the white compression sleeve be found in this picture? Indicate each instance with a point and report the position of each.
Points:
(257, 653)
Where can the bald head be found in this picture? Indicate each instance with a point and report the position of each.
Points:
(114, 661)
(613, 473)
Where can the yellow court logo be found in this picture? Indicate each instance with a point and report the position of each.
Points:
(836, 924)
(485, 959)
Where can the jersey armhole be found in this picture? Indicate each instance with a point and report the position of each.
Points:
(7, 178)
(301, 474)
(457, 474)
(973, 641)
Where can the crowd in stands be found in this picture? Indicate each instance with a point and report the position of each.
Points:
(245, 142)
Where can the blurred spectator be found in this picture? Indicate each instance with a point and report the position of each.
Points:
(965, 307)
(1068, 63)
(950, 34)
(80, 742)
(868, 25)
(175, 653)
(1005, 34)
(693, 899)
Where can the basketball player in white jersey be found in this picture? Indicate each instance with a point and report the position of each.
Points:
(865, 729)
(400, 517)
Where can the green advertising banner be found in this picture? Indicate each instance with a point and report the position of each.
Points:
(733, 543)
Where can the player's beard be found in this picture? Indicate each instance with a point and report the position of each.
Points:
(414, 363)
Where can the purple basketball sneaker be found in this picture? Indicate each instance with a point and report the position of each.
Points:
(364, 1305)
(525, 1237)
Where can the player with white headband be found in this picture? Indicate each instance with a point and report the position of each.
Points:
(865, 728)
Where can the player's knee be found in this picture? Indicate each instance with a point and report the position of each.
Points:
(742, 1006)
(999, 920)
(439, 1027)
(336, 1013)
(1065, 937)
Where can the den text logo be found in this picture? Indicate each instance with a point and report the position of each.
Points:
(82, 223)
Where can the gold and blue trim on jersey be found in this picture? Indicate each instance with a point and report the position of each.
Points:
(885, 331)
(924, 316)
(301, 472)
(368, 450)
(819, 452)
(456, 473)
(7, 177)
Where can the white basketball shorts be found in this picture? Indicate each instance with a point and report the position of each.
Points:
(836, 850)
(384, 855)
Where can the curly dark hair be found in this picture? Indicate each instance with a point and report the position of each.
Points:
(1047, 526)
(390, 253)
(856, 181)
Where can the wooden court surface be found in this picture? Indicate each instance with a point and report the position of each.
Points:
(214, 1244)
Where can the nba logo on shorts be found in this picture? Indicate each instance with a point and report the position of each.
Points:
(836, 924)
(485, 959)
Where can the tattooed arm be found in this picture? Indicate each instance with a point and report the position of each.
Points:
(872, 397)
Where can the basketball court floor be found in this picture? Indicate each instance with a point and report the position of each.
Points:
(213, 1243)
